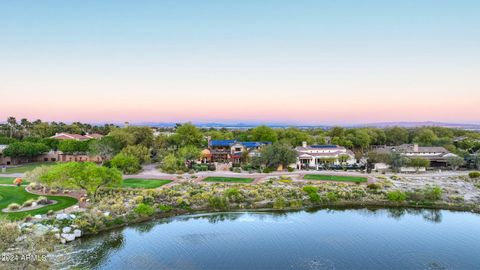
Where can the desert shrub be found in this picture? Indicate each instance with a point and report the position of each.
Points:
(9, 232)
(138, 199)
(237, 170)
(232, 192)
(218, 202)
(128, 164)
(474, 175)
(165, 208)
(456, 198)
(144, 210)
(290, 169)
(28, 203)
(396, 196)
(279, 203)
(332, 196)
(374, 186)
(314, 197)
(296, 204)
(310, 189)
(268, 170)
(14, 206)
(433, 193)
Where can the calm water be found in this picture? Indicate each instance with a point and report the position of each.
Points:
(323, 239)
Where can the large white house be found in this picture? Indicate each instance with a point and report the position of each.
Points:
(318, 156)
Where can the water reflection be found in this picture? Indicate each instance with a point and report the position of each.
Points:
(333, 238)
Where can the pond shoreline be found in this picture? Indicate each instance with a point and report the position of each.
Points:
(335, 205)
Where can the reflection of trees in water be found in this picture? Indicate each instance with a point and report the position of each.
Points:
(146, 226)
(430, 215)
(97, 255)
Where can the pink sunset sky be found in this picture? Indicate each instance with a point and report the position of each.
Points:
(322, 62)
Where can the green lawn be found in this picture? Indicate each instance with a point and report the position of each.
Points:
(228, 179)
(9, 181)
(27, 167)
(339, 178)
(18, 195)
(144, 183)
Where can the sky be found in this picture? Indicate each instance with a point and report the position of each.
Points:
(252, 61)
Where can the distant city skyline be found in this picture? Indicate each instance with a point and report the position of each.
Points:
(290, 62)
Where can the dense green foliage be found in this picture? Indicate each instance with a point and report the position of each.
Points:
(126, 163)
(25, 149)
(228, 179)
(87, 176)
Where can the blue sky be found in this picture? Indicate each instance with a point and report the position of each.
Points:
(309, 62)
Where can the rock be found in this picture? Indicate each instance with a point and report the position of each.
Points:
(55, 230)
(63, 241)
(72, 216)
(34, 204)
(40, 230)
(66, 229)
(77, 233)
(26, 224)
(57, 235)
(62, 216)
(38, 216)
(106, 214)
(68, 236)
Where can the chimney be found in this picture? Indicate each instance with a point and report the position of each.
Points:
(304, 144)
(415, 147)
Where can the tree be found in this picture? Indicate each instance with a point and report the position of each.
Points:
(141, 152)
(397, 161)
(35, 176)
(454, 162)
(133, 135)
(170, 163)
(418, 163)
(425, 136)
(294, 136)
(84, 175)
(106, 148)
(187, 134)
(189, 154)
(73, 146)
(396, 136)
(360, 139)
(277, 154)
(264, 134)
(12, 123)
(343, 159)
(25, 149)
(126, 163)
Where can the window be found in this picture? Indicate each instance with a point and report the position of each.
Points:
(238, 149)
(45, 159)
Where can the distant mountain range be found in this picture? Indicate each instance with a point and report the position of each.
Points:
(379, 125)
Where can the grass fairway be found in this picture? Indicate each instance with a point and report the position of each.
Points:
(9, 181)
(338, 178)
(228, 179)
(144, 183)
(27, 167)
(18, 195)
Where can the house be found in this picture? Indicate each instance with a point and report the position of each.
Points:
(3, 159)
(225, 151)
(77, 137)
(438, 156)
(317, 156)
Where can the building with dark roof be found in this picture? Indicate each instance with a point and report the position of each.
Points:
(226, 151)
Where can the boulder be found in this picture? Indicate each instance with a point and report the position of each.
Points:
(68, 236)
(62, 216)
(67, 229)
(38, 216)
(40, 230)
(77, 233)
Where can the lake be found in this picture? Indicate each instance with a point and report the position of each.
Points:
(317, 239)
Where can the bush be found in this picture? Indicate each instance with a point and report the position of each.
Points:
(290, 169)
(218, 202)
(314, 197)
(126, 163)
(237, 170)
(42, 200)
(279, 203)
(433, 193)
(310, 189)
(28, 203)
(332, 196)
(14, 206)
(9, 232)
(474, 175)
(232, 192)
(268, 170)
(396, 196)
(374, 186)
(144, 210)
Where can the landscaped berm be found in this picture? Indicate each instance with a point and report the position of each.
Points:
(144, 183)
(18, 195)
(228, 179)
(338, 178)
